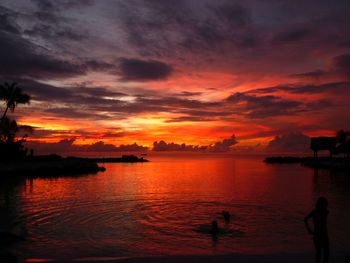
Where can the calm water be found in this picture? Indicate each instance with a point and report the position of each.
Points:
(164, 207)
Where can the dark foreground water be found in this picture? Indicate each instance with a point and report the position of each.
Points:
(165, 207)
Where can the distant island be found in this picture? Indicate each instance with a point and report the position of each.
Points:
(49, 166)
(338, 148)
(55, 165)
(124, 159)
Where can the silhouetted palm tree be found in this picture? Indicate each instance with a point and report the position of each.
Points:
(12, 95)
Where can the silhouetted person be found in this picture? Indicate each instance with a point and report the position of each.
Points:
(226, 215)
(319, 232)
(214, 228)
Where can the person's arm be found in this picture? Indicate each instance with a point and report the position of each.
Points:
(306, 221)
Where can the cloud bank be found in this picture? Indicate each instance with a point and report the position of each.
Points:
(220, 146)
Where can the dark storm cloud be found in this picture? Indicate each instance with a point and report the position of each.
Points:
(43, 92)
(227, 24)
(342, 63)
(73, 113)
(177, 103)
(20, 57)
(142, 70)
(232, 13)
(93, 102)
(160, 28)
(147, 30)
(87, 102)
(236, 36)
(50, 32)
(7, 21)
(97, 92)
(50, 22)
(210, 114)
(258, 107)
(290, 142)
(219, 146)
(331, 88)
(340, 67)
(142, 104)
(76, 101)
(53, 6)
(96, 65)
(247, 40)
(68, 146)
(265, 106)
(187, 94)
(316, 74)
(225, 32)
(309, 25)
(291, 35)
(320, 104)
(50, 12)
(73, 96)
(111, 133)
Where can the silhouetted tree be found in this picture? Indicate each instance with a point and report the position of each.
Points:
(12, 95)
(11, 145)
(343, 138)
(10, 128)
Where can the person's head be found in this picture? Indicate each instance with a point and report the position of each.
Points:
(321, 203)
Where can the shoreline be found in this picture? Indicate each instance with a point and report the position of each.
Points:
(328, 163)
(226, 258)
(47, 166)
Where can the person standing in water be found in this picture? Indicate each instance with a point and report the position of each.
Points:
(319, 231)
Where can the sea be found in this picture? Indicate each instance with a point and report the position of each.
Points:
(165, 207)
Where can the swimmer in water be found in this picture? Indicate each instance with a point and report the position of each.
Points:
(214, 227)
(226, 215)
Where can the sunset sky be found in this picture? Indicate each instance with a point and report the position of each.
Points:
(244, 76)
